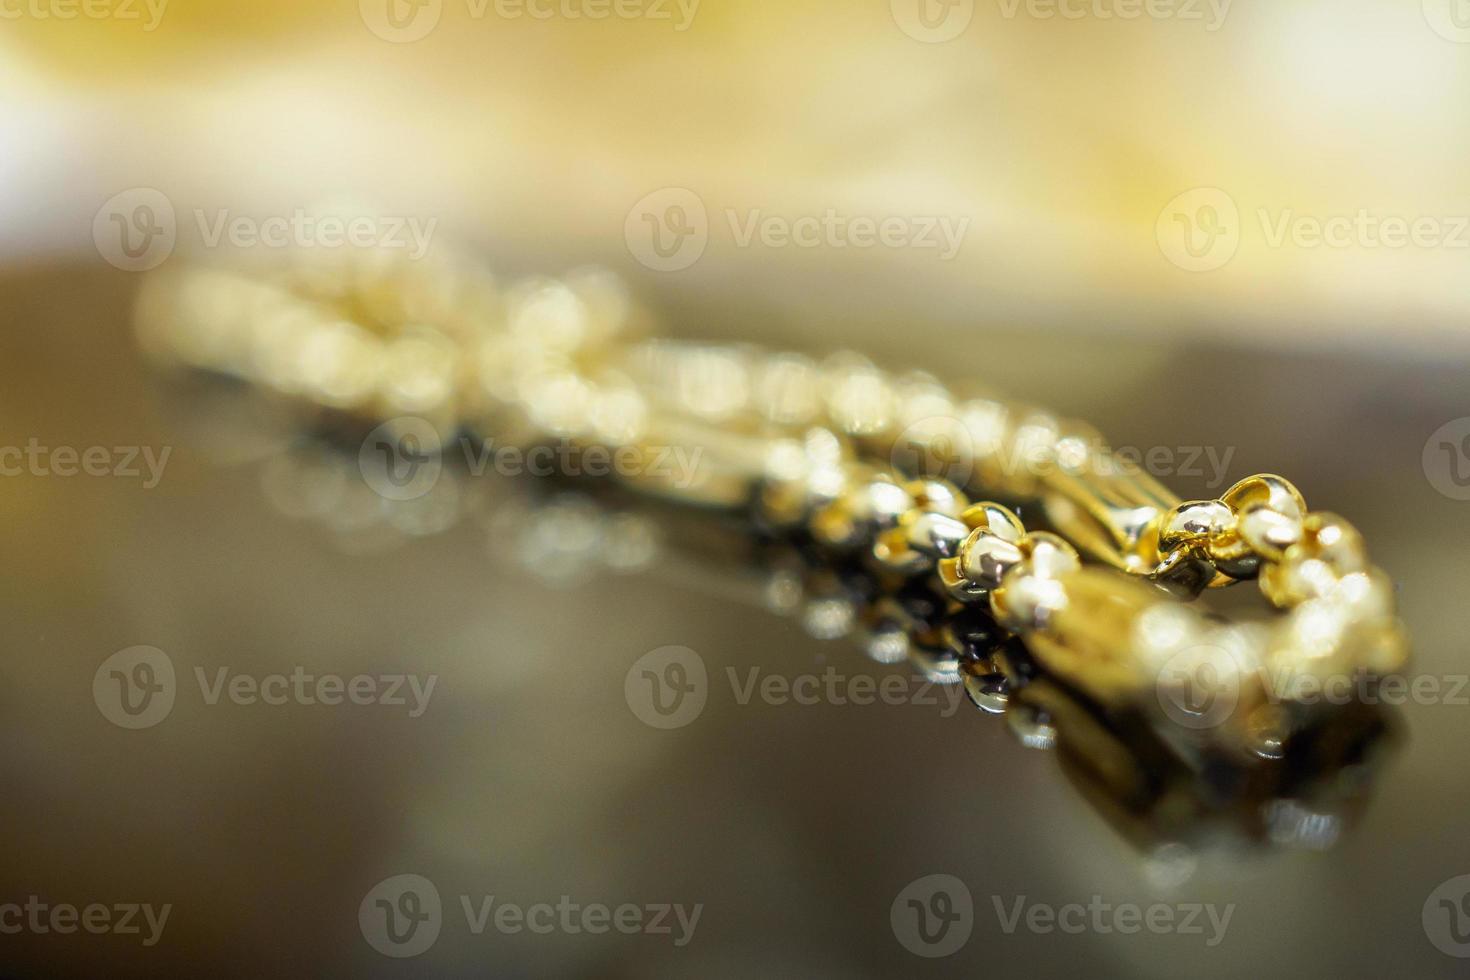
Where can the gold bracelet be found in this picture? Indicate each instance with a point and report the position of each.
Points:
(851, 455)
(1116, 639)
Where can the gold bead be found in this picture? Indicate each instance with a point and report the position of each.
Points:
(921, 537)
(1025, 602)
(1194, 523)
(1269, 532)
(1049, 555)
(862, 511)
(860, 400)
(1330, 548)
(1268, 490)
(986, 557)
(955, 582)
(937, 495)
(1029, 592)
(998, 520)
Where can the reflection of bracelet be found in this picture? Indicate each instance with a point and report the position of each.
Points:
(863, 461)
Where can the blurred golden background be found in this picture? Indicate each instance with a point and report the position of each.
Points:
(1062, 139)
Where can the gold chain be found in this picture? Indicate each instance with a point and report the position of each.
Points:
(862, 460)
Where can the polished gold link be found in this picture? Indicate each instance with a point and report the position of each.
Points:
(1031, 593)
(1110, 511)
